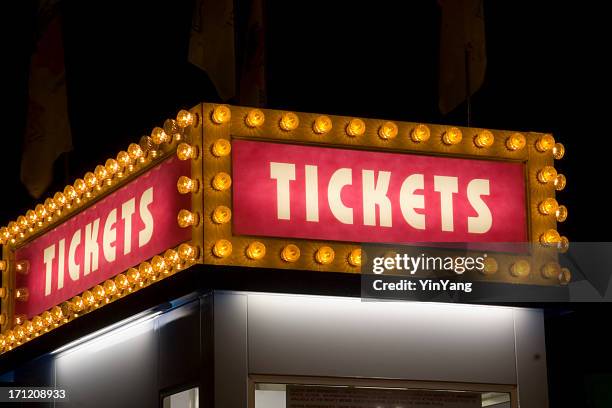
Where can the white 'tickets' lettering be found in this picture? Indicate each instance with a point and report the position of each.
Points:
(73, 267)
(375, 194)
(91, 247)
(48, 256)
(484, 221)
(312, 193)
(144, 236)
(446, 186)
(127, 210)
(109, 236)
(338, 180)
(283, 173)
(410, 201)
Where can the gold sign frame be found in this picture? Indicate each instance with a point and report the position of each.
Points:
(221, 124)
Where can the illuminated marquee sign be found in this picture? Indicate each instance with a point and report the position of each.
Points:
(239, 186)
(310, 192)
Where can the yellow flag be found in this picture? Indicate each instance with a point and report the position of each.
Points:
(463, 58)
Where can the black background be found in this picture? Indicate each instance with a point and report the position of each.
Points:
(127, 71)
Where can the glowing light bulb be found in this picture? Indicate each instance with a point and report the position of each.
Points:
(289, 121)
(77, 303)
(221, 215)
(548, 206)
(550, 238)
(187, 252)
(490, 266)
(520, 268)
(221, 148)
(545, 143)
(185, 118)
(41, 212)
(19, 333)
(122, 282)
(101, 173)
(22, 294)
(112, 167)
(322, 124)
(563, 245)
(60, 200)
(388, 130)
(420, 133)
(13, 227)
(172, 258)
(186, 151)
(547, 174)
(22, 267)
(558, 151)
(325, 255)
(185, 185)
(23, 223)
(110, 287)
(135, 151)
(31, 217)
(290, 253)
(145, 269)
(159, 136)
(256, 250)
(70, 193)
(354, 257)
(254, 118)
(355, 127)
(222, 248)
(565, 276)
(452, 136)
(222, 181)
(3, 265)
(560, 182)
(38, 323)
(51, 205)
(221, 114)
(133, 276)
(57, 314)
(551, 270)
(80, 186)
(516, 141)
(88, 298)
(91, 180)
(561, 213)
(484, 139)
(124, 159)
(171, 127)
(99, 293)
(158, 263)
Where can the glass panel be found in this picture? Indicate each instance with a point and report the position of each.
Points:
(183, 399)
(311, 396)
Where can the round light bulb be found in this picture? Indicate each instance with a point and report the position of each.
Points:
(171, 257)
(420, 133)
(354, 257)
(388, 130)
(22, 294)
(550, 238)
(31, 217)
(133, 276)
(98, 292)
(551, 270)
(77, 303)
(221, 114)
(222, 181)
(124, 159)
(91, 180)
(289, 121)
(325, 255)
(60, 199)
(322, 124)
(560, 182)
(13, 227)
(558, 151)
(187, 252)
(111, 167)
(290, 253)
(520, 268)
(490, 266)
(22, 267)
(565, 276)
(254, 118)
(355, 127)
(38, 323)
(50, 205)
(101, 173)
(221, 148)
(57, 314)
(146, 270)
(221, 215)
(563, 245)
(256, 250)
(547, 174)
(222, 248)
(122, 282)
(110, 287)
(88, 299)
(23, 223)
(158, 263)
(41, 212)
(516, 141)
(452, 136)
(80, 186)
(185, 118)
(171, 128)
(186, 151)
(185, 185)
(545, 143)
(561, 213)
(187, 218)
(484, 139)
(159, 136)
(135, 151)
(548, 206)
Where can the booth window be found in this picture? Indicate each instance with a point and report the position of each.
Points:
(184, 399)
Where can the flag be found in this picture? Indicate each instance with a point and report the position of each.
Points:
(211, 44)
(463, 58)
(47, 133)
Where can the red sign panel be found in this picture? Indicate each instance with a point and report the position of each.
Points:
(333, 194)
(123, 229)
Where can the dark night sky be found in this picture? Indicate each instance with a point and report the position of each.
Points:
(127, 71)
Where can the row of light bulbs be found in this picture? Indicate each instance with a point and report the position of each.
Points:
(389, 130)
(148, 272)
(94, 183)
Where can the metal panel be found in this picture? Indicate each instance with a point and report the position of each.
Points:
(531, 358)
(322, 336)
(230, 332)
